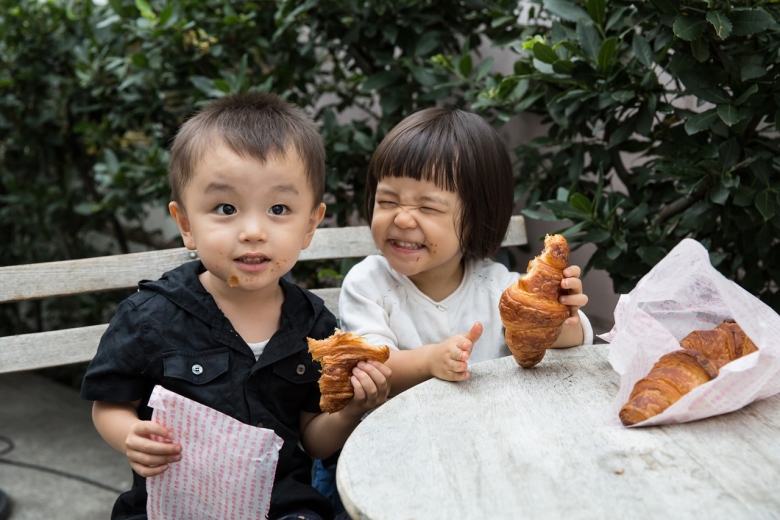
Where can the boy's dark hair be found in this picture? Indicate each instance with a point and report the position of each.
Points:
(257, 125)
(459, 152)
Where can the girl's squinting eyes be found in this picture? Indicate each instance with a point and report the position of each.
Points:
(225, 209)
(279, 209)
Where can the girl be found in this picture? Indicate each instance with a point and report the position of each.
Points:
(439, 197)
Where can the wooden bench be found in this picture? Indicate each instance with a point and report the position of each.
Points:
(90, 275)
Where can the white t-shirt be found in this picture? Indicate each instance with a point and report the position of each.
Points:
(258, 348)
(386, 308)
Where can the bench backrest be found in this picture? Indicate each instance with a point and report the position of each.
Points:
(90, 275)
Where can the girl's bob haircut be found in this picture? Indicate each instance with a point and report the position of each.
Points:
(459, 152)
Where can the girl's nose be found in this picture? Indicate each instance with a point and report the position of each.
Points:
(253, 230)
(404, 219)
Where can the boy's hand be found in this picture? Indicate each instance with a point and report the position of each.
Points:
(573, 295)
(447, 360)
(149, 457)
(371, 383)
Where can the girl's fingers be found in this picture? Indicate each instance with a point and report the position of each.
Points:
(573, 271)
(145, 445)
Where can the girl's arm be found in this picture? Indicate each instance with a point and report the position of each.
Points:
(573, 332)
(119, 425)
(445, 360)
(322, 434)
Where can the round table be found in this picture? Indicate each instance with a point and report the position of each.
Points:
(545, 443)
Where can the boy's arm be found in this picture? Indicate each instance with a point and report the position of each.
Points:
(322, 434)
(120, 427)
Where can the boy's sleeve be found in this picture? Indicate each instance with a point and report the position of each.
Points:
(114, 374)
(323, 328)
(361, 311)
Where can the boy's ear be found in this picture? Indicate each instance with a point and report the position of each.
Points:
(314, 220)
(180, 216)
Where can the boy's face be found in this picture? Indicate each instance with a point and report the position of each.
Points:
(248, 220)
(415, 227)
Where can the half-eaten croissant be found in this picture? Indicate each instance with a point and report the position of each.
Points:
(338, 355)
(530, 310)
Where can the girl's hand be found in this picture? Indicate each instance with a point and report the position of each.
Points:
(149, 457)
(371, 383)
(447, 360)
(573, 295)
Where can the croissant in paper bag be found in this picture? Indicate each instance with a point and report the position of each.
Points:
(704, 353)
(530, 310)
(338, 355)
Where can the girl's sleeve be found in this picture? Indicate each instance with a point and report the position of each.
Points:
(587, 329)
(361, 308)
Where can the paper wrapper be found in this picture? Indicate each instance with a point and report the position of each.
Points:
(226, 470)
(683, 293)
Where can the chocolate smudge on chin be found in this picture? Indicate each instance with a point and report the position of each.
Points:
(233, 281)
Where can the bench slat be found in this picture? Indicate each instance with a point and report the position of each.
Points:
(25, 282)
(44, 349)
(62, 347)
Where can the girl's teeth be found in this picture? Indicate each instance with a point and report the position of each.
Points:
(408, 245)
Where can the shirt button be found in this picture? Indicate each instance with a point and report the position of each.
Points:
(301, 369)
(441, 307)
(197, 370)
(259, 425)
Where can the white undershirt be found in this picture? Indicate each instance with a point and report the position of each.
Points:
(257, 348)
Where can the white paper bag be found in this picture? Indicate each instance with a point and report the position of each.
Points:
(226, 469)
(683, 293)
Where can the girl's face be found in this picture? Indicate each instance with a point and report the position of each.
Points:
(415, 225)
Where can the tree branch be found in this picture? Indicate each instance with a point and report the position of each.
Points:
(680, 205)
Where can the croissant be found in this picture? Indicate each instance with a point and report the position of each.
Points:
(677, 373)
(530, 310)
(726, 341)
(338, 355)
(672, 376)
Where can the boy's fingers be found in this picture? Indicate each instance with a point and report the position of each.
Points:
(145, 428)
(145, 445)
(573, 271)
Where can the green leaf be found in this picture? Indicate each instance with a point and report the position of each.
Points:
(623, 96)
(425, 77)
(700, 49)
(544, 53)
(751, 21)
(596, 10)
(566, 10)
(580, 202)
(651, 255)
(465, 64)
(636, 216)
(484, 68)
(701, 122)
(382, 79)
(745, 95)
(729, 114)
(721, 24)
(719, 195)
(428, 42)
(563, 67)
(751, 71)
(688, 27)
(607, 53)
(145, 9)
(777, 120)
(589, 39)
(728, 154)
(642, 51)
(765, 205)
(539, 215)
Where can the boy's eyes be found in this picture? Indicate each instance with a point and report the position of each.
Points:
(279, 209)
(225, 209)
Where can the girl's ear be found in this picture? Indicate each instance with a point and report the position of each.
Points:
(314, 220)
(180, 216)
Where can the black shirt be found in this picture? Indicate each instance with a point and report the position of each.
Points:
(161, 332)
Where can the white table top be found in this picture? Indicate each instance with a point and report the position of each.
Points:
(536, 444)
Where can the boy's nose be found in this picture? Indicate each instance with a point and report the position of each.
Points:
(253, 230)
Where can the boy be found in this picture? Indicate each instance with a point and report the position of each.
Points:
(247, 180)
